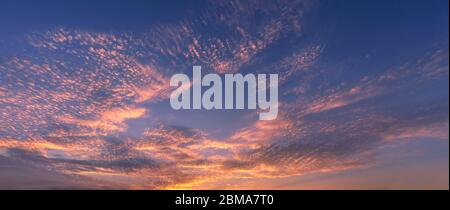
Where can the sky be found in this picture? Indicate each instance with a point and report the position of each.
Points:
(363, 94)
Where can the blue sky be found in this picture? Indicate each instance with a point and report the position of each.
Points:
(85, 84)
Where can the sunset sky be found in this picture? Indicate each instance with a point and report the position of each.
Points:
(363, 93)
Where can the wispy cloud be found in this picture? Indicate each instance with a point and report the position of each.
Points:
(69, 100)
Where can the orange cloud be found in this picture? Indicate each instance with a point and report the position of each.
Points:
(110, 120)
